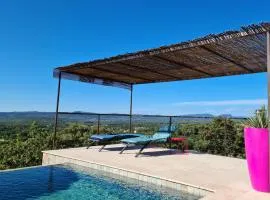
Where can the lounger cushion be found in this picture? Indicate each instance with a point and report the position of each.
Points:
(137, 140)
(157, 137)
(110, 137)
(102, 137)
(161, 136)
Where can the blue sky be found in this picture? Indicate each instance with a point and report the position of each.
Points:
(37, 36)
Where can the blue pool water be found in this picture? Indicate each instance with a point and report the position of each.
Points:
(68, 182)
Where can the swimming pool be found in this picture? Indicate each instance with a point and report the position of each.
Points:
(75, 182)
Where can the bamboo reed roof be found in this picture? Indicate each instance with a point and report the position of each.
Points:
(229, 53)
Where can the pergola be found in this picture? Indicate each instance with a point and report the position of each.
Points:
(238, 52)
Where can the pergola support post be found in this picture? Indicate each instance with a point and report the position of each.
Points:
(56, 112)
(268, 80)
(98, 124)
(130, 109)
(170, 129)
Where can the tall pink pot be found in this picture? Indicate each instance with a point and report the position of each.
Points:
(257, 154)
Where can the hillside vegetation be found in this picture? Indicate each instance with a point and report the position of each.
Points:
(21, 143)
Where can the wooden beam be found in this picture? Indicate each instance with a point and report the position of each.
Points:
(182, 65)
(119, 73)
(212, 39)
(150, 70)
(226, 58)
(97, 77)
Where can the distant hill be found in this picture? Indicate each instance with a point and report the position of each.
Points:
(201, 115)
(226, 116)
(91, 118)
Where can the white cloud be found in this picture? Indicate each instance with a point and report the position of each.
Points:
(238, 102)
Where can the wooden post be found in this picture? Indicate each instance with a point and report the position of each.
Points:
(268, 80)
(57, 108)
(130, 109)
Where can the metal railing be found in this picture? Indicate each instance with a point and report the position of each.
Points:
(71, 135)
(118, 119)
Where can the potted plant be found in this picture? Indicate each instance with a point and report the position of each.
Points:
(256, 136)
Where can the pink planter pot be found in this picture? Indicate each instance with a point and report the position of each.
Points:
(257, 154)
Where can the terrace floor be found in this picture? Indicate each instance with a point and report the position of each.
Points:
(228, 177)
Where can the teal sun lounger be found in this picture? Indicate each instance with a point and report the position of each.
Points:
(162, 136)
(107, 138)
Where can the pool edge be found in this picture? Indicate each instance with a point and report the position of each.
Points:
(50, 158)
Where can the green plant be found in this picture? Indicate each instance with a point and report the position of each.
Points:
(260, 120)
(22, 143)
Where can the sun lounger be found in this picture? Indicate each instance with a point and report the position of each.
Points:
(162, 136)
(107, 138)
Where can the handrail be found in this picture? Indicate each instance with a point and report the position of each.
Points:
(146, 115)
(170, 117)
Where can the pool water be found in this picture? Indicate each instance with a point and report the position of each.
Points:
(72, 182)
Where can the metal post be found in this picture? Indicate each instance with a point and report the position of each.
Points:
(268, 79)
(57, 108)
(170, 124)
(170, 129)
(130, 109)
(98, 125)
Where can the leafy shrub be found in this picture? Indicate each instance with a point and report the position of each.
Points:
(259, 120)
(22, 144)
(222, 136)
